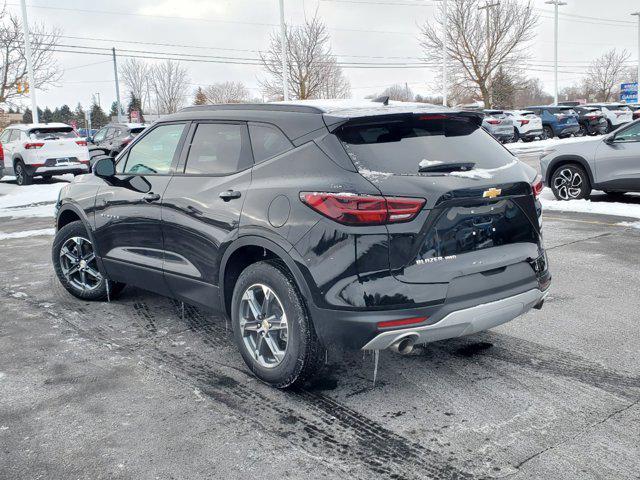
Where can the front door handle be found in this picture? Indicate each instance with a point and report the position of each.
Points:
(151, 197)
(230, 195)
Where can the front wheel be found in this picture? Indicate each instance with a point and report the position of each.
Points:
(272, 328)
(570, 182)
(22, 176)
(75, 264)
(516, 135)
(582, 132)
(547, 133)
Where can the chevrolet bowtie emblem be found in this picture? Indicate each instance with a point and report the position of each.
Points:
(492, 193)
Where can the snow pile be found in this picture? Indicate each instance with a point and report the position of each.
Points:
(29, 201)
(28, 233)
(619, 209)
(539, 146)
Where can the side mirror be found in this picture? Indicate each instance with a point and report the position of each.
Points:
(105, 167)
(610, 140)
(89, 139)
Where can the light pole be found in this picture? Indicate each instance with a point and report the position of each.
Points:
(556, 4)
(486, 8)
(637, 14)
(283, 43)
(27, 53)
(445, 34)
(115, 75)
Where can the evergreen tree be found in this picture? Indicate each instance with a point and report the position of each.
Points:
(98, 117)
(47, 115)
(27, 116)
(56, 115)
(78, 116)
(114, 110)
(200, 98)
(504, 89)
(66, 115)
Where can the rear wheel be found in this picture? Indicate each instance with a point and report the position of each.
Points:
(570, 182)
(76, 266)
(516, 135)
(609, 126)
(22, 176)
(47, 178)
(582, 132)
(547, 132)
(272, 328)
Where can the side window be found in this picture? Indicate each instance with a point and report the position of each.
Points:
(15, 135)
(99, 136)
(154, 153)
(109, 134)
(267, 141)
(4, 138)
(218, 149)
(630, 134)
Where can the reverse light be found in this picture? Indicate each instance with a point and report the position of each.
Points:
(401, 322)
(537, 186)
(352, 209)
(82, 143)
(31, 146)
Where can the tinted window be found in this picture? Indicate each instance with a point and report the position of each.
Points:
(216, 149)
(136, 131)
(99, 136)
(267, 142)
(407, 145)
(630, 134)
(52, 133)
(154, 153)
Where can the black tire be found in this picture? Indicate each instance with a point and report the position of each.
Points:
(23, 177)
(47, 178)
(303, 354)
(609, 126)
(570, 182)
(516, 135)
(547, 132)
(583, 132)
(527, 139)
(99, 292)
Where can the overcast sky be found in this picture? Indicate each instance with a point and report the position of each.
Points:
(359, 29)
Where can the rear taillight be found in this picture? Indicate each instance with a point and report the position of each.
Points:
(401, 322)
(592, 117)
(494, 122)
(523, 122)
(537, 186)
(30, 146)
(352, 209)
(1, 153)
(82, 143)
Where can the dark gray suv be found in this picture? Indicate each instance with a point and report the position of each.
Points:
(310, 224)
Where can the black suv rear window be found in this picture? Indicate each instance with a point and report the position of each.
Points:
(407, 145)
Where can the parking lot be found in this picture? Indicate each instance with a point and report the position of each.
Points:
(142, 388)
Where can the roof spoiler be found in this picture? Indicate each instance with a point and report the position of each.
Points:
(333, 123)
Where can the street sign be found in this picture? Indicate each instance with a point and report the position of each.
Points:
(629, 92)
(135, 116)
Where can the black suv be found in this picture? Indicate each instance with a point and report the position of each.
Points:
(111, 139)
(309, 224)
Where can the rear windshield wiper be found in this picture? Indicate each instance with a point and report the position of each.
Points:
(447, 167)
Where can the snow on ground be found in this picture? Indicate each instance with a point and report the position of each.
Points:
(30, 201)
(28, 233)
(538, 146)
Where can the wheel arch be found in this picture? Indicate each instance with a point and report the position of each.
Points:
(568, 160)
(247, 250)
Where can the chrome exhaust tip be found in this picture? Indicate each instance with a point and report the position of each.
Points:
(404, 346)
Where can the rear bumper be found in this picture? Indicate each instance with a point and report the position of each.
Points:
(531, 133)
(567, 130)
(463, 322)
(73, 168)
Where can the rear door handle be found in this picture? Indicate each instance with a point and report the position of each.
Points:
(151, 197)
(230, 195)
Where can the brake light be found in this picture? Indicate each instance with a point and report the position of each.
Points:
(494, 122)
(537, 186)
(352, 209)
(126, 141)
(432, 117)
(592, 117)
(401, 322)
(30, 146)
(1, 153)
(523, 122)
(82, 143)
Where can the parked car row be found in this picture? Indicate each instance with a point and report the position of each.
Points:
(564, 120)
(46, 149)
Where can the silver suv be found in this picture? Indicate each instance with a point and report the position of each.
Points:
(610, 163)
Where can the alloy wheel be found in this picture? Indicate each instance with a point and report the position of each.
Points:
(78, 264)
(19, 174)
(568, 184)
(263, 325)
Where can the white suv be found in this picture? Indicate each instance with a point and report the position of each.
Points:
(42, 150)
(527, 124)
(617, 114)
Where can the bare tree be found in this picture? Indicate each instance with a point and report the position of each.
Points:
(530, 92)
(13, 64)
(313, 70)
(227, 92)
(401, 93)
(605, 74)
(479, 47)
(135, 76)
(170, 83)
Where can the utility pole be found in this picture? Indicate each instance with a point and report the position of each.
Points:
(445, 36)
(637, 14)
(285, 63)
(556, 4)
(27, 53)
(486, 8)
(115, 75)
(97, 94)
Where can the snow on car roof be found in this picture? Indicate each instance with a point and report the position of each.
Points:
(349, 107)
(30, 126)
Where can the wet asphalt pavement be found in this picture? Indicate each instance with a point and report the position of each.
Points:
(137, 389)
